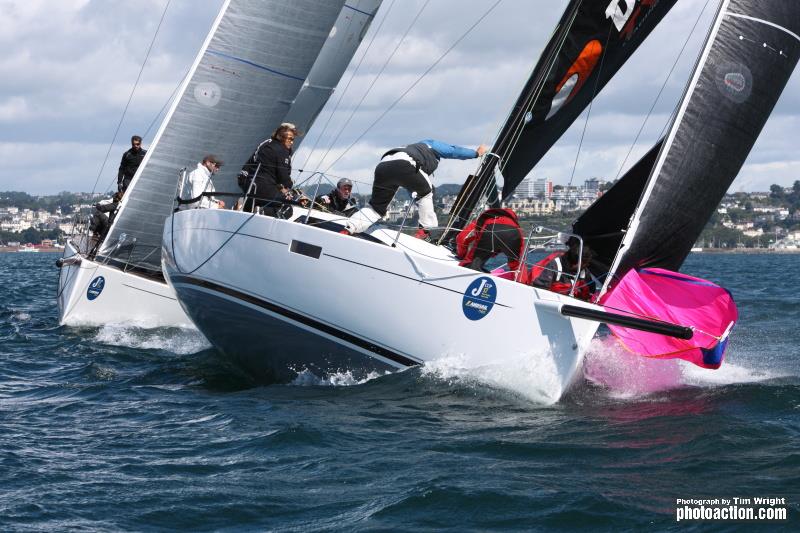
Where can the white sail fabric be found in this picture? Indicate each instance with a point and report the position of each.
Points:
(244, 80)
(345, 37)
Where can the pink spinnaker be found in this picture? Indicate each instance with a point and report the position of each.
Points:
(680, 299)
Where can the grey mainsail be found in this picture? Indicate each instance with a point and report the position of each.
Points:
(242, 84)
(752, 50)
(346, 35)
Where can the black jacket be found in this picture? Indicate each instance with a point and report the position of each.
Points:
(127, 167)
(275, 170)
(336, 203)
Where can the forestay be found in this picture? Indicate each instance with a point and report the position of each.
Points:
(243, 82)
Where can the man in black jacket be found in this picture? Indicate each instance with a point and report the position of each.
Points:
(271, 164)
(131, 160)
(339, 199)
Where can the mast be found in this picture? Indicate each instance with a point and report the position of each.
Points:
(590, 44)
(750, 53)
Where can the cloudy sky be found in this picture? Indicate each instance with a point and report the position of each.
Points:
(69, 66)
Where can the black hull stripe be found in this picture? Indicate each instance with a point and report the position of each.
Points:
(297, 317)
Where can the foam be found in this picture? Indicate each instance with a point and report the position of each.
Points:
(176, 340)
(531, 375)
(306, 378)
(626, 374)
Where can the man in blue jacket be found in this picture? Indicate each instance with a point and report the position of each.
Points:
(409, 167)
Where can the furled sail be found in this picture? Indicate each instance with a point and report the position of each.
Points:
(752, 49)
(243, 83)
(590, 44)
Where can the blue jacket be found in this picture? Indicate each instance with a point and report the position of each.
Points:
(450, 151)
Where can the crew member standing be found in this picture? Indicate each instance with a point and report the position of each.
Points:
(409, 167)
(131, 160)
(271, 164)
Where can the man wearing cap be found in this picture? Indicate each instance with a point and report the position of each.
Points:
(409, 167)
(339, 199)
(199, 182)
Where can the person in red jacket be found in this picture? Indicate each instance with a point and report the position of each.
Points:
(557, 271)
(495, 231)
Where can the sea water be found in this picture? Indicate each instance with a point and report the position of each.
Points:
(122, 428)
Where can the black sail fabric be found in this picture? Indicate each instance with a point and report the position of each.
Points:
(592, 41)
(752, 51)
(600, 40)
(603, 225)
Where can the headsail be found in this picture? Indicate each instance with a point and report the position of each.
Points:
(243, 82)
(750, 54)
(591, 43)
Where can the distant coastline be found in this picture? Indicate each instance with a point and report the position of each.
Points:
(21, 249)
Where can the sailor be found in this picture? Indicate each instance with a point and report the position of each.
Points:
(495, 231)
(409, 167)
(557, 271)
(339, 199)
(103, 213)
(199, 182)
(269, 169)
(131, 160)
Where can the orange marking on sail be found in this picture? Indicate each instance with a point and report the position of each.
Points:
(583, 66)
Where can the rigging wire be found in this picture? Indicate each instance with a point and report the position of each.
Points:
(133, 90)
(415, 83)
(347, 86)
(663, 86)
(374, 81)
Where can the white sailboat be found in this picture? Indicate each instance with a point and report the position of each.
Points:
(260, 289)
(263, 62)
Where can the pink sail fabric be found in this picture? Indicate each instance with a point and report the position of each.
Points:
(673, 297)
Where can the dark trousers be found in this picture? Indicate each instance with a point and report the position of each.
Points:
(496, 239)
(391, 175)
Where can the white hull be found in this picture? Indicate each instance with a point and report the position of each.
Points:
(121, 297)
(281, 297)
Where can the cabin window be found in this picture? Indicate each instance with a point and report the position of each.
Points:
(303, 248)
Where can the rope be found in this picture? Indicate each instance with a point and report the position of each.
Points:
(127, 104)
(415, 83)
(130, 97)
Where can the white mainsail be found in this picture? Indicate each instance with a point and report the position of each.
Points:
(243, 82)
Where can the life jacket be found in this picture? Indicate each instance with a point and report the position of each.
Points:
(425, 157)
(468, 238)
(562, 283)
